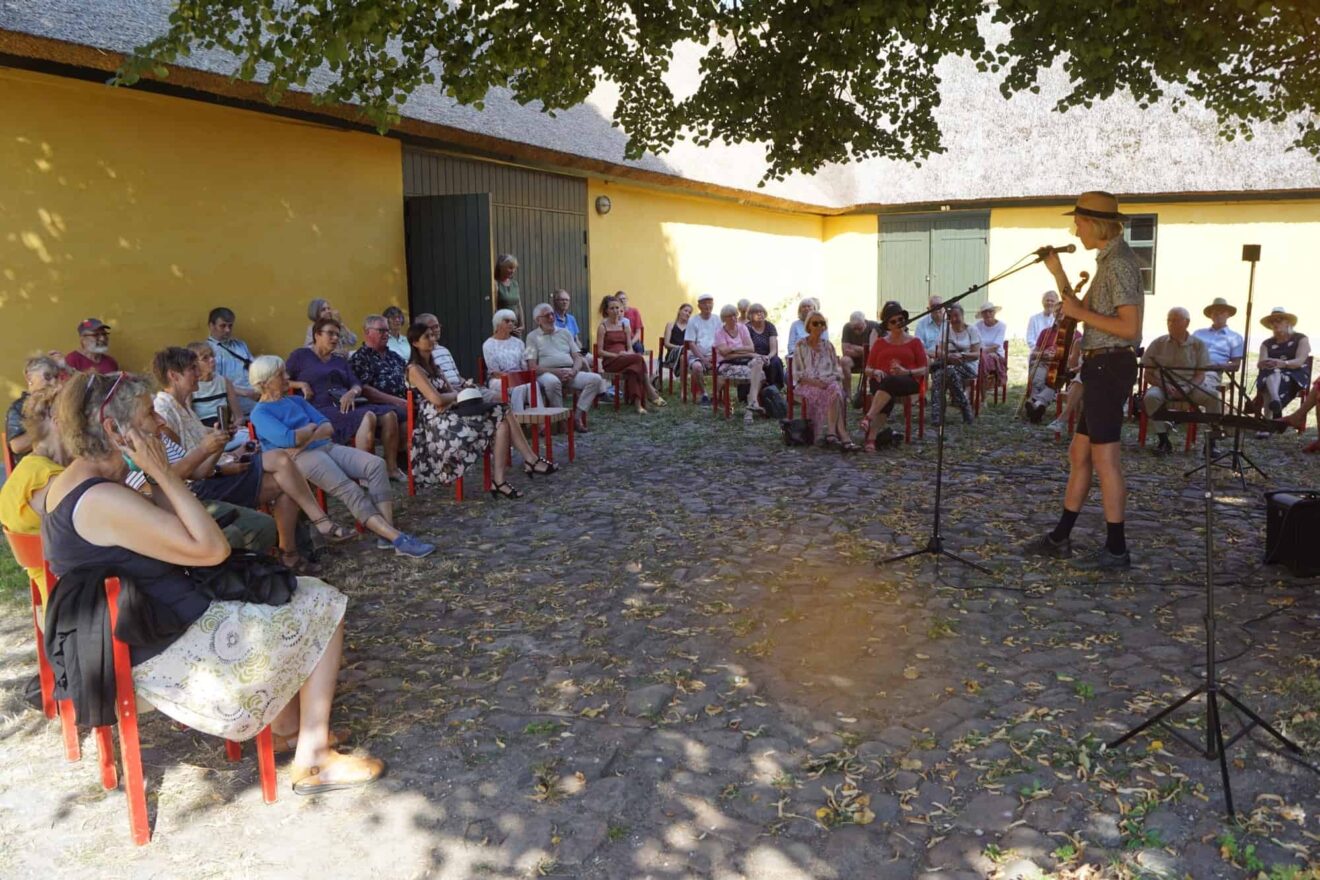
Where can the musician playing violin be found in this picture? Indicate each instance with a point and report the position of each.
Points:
(1111, 315)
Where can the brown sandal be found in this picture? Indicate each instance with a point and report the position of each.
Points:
(336, 772)
(286, 744)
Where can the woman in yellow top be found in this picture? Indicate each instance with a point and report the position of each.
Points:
(22, 498)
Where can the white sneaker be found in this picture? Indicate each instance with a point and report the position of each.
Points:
(1058, 426)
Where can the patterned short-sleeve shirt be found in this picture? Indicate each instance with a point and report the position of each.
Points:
(382, 370)
(1117, 283)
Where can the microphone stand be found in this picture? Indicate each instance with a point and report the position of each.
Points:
(935, 543)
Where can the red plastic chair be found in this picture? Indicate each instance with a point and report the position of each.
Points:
(129, 745)
(458, 484)
(1143, 422)
(907, 409)
(723, 387)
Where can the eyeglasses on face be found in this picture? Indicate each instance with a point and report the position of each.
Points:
(816, 324)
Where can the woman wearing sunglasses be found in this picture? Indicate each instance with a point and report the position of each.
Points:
(894, 367)
(817, 379)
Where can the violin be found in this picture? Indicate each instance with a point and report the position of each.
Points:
(1065, 329)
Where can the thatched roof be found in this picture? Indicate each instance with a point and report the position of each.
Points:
(996, 149)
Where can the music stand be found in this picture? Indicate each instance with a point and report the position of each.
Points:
(1215, 745)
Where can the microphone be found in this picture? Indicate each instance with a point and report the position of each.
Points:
(1050, 249)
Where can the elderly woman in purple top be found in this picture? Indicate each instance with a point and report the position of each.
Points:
(328, 381)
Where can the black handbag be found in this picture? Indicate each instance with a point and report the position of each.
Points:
(797, 432)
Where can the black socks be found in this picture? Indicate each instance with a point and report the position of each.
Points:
(1065, 526)
(1116, 543)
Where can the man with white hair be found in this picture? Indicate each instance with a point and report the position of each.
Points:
(553, 352)
(929, 328)
(700, 332)
(1044, 319)
(856, 335)
(93, 352)
(1186, 378)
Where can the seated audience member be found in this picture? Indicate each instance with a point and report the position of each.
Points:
(504, 352)
(633, 320)
(894, 367)
(798, 329)
(277, 664)
(24, 490)
(1225, 346)
(328, 380)
(1040, 395)
(232, 358)
(765, 339)
(817, 377)
(852, 354)
(930, 327)
(744, 305)
(320, 309)
(700, 331)
(455, 427)
(671, 344)
(215, 392)
(964, 352)
(398, 341)
(554, 355)
(564, 320)
(1186, 358)
(1297, 418)
(290, 422)
(444, 361)
(507, 295)
(269, 477)
(616, 356)
(379, 369)
(39, 372)
(1281, 368)
(1042, 321)
(93, 352)
(738, 358)
(994, 345)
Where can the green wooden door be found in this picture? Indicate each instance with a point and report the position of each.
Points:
(449, 251)
(929, 254)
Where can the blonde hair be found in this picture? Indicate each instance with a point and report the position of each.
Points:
(78, 410)
(1104, 229)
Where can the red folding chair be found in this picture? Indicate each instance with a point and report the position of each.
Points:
(613, 378)
(129, 745)
(458, 484)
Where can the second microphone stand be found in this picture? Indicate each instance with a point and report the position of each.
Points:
(935, 543)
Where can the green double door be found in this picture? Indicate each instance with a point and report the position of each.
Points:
(925, 254)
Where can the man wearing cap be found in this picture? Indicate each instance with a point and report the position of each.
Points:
(92, 354)
(1185, 377)
(700, 332)
(1111, 315)
(1226, 346)
(994, 360)
(232, 356)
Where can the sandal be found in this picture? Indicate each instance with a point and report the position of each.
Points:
(336, 772)
(284, 744)
(849, 446)
(336, 534)
(829, 441)
(869, 447)
(298, 564)
(504, 490)
(533, 468)
(865, 425)
(659, 401)
(1312, 447)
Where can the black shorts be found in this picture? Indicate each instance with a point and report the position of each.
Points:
(895, 387)
(1107, 381)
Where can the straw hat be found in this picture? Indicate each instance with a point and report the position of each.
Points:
(1276, 313)
(1097, 205)
(988, 307)
(1219, 303)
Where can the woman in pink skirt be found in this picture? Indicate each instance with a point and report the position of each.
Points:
(817, 379)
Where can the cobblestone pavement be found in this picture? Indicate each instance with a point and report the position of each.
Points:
(676, 659)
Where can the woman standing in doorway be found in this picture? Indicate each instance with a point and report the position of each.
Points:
(507, 295)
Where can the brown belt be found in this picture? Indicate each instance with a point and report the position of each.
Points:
(1096, 352)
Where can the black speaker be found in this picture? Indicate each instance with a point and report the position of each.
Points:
(1292, 522)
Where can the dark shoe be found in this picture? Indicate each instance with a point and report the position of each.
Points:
(1164, 447)
(1103, 560)
(1035, 412)
(1276, 408)
(704, 401)
(886, 438)
(967, 415)
(1048, 547)
(504, 490)
(540, 467)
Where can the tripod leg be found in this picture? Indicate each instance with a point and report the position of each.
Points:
(1215, 738)
(900, 556)
(1157, 717)
(1261, 722)
(967, 562)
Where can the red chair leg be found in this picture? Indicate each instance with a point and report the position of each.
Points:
(105, 758)
(69, 730)
(458, 490)
(129, 744)
(618, 393)
(233, 751)
(487, 481)
(572, 451)
(320, 498)
(45, 675)
(266, 764)
(1191, 437)
(907, 419)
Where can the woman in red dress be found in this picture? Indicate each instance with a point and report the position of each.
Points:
(616, 356)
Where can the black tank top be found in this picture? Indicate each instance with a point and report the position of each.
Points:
(676, 335)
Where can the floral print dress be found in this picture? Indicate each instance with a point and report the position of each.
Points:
(446, 444)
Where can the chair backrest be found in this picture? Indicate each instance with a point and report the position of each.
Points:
(513, 378)
(26, 548)
(481, 369)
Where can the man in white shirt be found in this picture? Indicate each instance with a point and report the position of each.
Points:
(1043, 320)
(553, 352)
(701, 333)
(1226, 346)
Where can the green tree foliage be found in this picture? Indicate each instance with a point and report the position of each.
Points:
(817, 81)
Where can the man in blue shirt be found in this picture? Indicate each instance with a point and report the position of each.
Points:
(928, 329)
(232, 356)
(563, 320)
(1226, 346)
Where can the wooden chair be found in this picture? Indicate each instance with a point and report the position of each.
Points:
(723, 388)
(1142, 419)
(539, 417)
(613, 378)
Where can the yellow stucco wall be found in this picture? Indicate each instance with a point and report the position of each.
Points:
(146, 211)
(1198, 256)
(666, 249)
(850, 267)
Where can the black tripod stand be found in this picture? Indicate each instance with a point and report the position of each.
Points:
(1216, 746)
(1234, 458)
(935, 543)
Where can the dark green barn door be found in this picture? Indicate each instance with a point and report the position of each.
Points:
(933, 254)
(449, 247)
